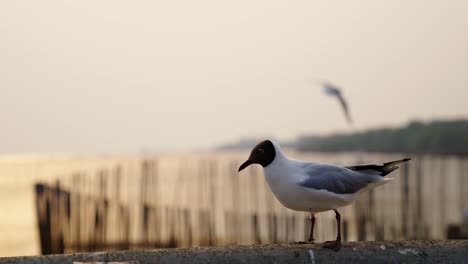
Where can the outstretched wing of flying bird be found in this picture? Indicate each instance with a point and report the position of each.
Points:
(332, 90)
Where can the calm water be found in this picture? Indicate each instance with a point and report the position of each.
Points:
(190, 192)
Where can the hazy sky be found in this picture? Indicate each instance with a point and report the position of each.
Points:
(115, 76)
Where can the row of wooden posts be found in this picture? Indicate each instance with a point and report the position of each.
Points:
(195, 202)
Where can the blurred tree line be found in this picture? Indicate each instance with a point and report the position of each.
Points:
(438, 137)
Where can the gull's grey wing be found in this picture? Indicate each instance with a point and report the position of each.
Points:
(378, 169)
(335, 179)
(344, 105)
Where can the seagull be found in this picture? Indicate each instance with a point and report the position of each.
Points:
(315, 187)
(333, 90)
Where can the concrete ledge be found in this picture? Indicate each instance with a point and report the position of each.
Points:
(451, 251)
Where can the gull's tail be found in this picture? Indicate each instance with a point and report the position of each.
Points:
(378, 169)
(391, 166)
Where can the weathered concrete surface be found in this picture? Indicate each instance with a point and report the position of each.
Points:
(454, 251)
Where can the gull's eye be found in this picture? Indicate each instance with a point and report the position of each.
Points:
(260, 151)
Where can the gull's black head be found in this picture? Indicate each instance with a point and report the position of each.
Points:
(264, 154)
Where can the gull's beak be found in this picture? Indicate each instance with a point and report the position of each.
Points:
(245, 164)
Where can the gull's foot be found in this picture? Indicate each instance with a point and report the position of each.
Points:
(303, 242)
(333, 245)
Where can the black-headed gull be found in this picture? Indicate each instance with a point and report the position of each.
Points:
(315, 187)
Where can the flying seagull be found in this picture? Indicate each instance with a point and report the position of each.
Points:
(333, 90)
(314, 187)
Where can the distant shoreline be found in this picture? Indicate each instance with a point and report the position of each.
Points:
(447, 137)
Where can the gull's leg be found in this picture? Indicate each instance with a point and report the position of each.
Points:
(312, 224)
(335, 245)
(311, 233)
